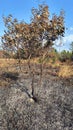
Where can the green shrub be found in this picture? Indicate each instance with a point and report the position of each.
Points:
(71, 57)
(64, 56)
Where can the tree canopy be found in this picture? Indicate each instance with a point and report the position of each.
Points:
(34, 37)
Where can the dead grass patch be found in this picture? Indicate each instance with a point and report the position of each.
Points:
(66, 71)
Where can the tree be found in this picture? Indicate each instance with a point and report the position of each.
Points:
(30, 37)
(35, 37)
(71, 48)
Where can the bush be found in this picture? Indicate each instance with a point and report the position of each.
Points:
(64, 56)
(71, 58)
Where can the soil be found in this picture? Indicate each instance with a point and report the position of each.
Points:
(53, 109)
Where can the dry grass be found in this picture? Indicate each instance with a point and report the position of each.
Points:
(66, 71)
(9, 65)
(6, 65)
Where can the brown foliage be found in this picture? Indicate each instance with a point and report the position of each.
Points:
(30, 37)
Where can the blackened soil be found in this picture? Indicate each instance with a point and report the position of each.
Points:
(53, 109)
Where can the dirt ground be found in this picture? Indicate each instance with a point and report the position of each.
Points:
(53, 109)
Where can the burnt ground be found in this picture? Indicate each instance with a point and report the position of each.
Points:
(53, 109)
